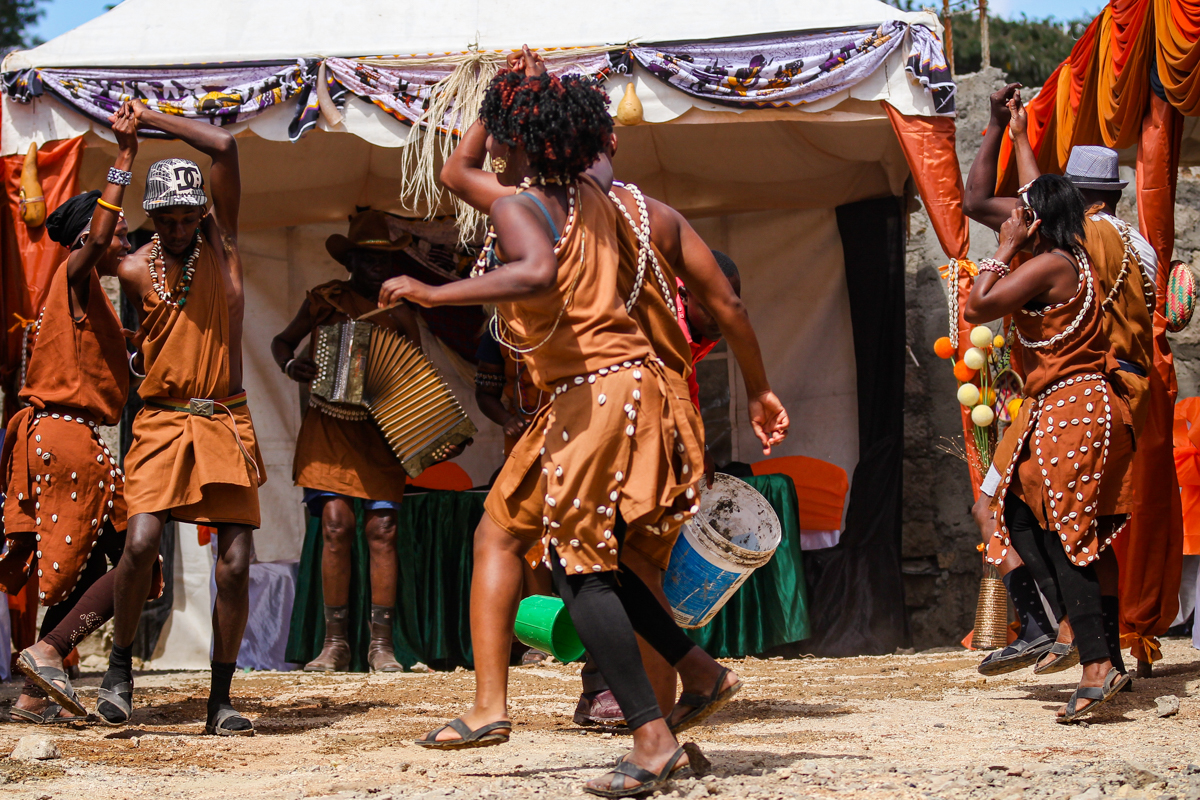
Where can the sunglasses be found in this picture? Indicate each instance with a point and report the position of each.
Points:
(1031, 216)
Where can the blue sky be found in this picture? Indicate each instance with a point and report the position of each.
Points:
(63, 15)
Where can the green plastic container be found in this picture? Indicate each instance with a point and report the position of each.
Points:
(543, 622)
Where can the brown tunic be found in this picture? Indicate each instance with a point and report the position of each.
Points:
(200, 468)
(349, 457)
(620, 434)
(62, 482)
(1074, 443)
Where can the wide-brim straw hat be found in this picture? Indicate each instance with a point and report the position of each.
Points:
(369, 230)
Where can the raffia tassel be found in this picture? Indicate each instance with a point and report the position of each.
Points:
(453, 108)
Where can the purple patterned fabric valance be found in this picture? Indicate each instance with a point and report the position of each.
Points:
(790, 69)
(783, 69)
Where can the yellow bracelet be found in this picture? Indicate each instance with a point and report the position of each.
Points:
(110, 206)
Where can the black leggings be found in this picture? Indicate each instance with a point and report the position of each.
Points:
(1073, 591)
(607, 609)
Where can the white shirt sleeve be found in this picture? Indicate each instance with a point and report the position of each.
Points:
(1145, 251)
(991, 482)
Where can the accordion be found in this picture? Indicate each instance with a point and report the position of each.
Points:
(365, 371)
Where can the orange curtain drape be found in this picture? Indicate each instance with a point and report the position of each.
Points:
(928, 145)
(27, 256)
(1177, 33)
(1151, 551)
(1123, 58)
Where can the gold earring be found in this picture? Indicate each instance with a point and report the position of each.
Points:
(499, 164)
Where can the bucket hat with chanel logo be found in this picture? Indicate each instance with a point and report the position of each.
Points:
(174, 182)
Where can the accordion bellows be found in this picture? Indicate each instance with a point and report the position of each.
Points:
(361, 366)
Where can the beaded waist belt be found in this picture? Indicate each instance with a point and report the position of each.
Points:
(197, 406)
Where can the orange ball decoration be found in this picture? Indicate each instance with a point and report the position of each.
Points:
(943, 348)
(963, 372)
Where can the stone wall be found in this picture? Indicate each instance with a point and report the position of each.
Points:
(941, 564)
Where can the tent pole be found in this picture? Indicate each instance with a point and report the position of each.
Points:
(949, 37)
(984, 40)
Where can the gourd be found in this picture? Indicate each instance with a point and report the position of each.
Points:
(629, 110)
(33, 201)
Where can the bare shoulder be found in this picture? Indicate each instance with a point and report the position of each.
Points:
(665, 225)
(134, 269)
(224, 243)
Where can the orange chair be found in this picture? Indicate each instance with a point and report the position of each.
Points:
(821, 489)
(446, 476)
(1187, 467)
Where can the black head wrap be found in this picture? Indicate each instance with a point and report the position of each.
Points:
(72, 218)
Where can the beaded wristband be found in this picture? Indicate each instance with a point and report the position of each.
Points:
(995, 266)
(119, 176)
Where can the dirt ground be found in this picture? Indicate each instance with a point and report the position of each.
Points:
(905, 726)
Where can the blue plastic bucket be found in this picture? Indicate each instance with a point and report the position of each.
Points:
(735, 532)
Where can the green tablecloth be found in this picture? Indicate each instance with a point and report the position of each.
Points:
(435, 531)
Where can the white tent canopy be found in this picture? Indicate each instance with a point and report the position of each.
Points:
(155, 33)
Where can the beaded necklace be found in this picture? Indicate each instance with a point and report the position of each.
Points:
(497, 325)
(189, 271)
(645, 250)
(1085, 285)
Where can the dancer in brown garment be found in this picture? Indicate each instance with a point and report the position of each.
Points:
(65, 507)
(1063, 494)
(339, 459)
(669, 244)
(194, 455)
(621, 444)
(1124, 264)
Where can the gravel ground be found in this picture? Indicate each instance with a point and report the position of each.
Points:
(903, 726)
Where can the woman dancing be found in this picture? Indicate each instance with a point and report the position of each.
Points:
(1062, 491)
(621, 448)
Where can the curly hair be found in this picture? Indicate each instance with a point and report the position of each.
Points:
(562, 124)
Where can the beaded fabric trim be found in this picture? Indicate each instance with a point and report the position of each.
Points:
(189, 272)
(1085, 285)
(1087, 384)
(115, 475)
(646, 253)
(1149, 291)
(339, 410)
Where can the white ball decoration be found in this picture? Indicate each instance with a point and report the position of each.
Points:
(968, 395)
(975, 358)
(981, 336)
(982, 416)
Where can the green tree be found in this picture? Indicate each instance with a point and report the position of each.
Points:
(16, 16)
(1028, 50)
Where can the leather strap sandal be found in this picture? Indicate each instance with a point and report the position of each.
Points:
(49, 716)
(1065, 656)
(115, 706)
(647, 781)
(1114, 682)
(1018, 655)
(483, 736)
(704, 707)
(217, 726)
(52, 681)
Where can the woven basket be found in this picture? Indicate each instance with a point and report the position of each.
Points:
(991, 613)
(1181, 296)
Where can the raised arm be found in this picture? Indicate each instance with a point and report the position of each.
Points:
(698, 270)
(1028, 170)
(531, 270)
(979, 198)
(1047, 278)
(218, 144)
(105, 218)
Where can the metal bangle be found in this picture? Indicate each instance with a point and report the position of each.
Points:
(132, 368)
(119, 176)
(287, 364)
